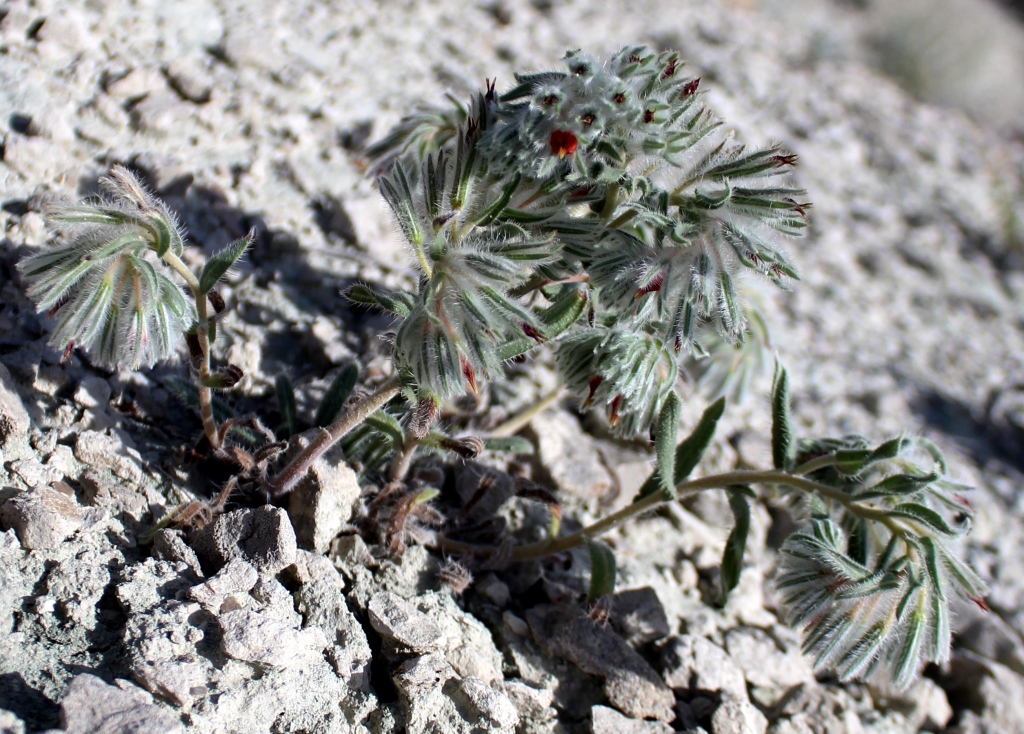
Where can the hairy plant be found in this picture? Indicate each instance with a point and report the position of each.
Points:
(608, 190)
(600, 211)
(111, 286)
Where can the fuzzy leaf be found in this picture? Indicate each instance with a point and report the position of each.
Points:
(397, 304)
(690, 451)
(337, 395)
(898, 485)
(220, 263)
(665, 437)
(926, 516)
(602, 571)
(286, 402)
(782, 428)
(389, 426)
(736, 544)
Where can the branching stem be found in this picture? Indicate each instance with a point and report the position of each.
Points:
(286, 480)
(400, 466)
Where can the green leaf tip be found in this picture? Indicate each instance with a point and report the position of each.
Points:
(782, 427)
(665, 440)
(736, 544)
(218, 265)
(602, 571)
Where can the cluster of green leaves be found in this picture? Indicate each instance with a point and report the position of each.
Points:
(106, 286)
(871, 577)
(603, 207)
(111, 286)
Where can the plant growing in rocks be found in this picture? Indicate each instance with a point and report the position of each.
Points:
(603, 213)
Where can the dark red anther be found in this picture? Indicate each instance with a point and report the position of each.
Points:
(490, 96)
(68, 351)
(588, 119)
(799, 207)
(690, 88)
(613, 417)
(550, 100)
(468, 372)
(595, 382)
(963, 501)
(471, 127)
(580, 193)
(634, 59)
(652, 287)
(789, 159)
(775, 271)
(57, 306)
(533, 333)
(619, 98)
(580, 70)
(982, 604)
(563, 143)
(670, 69)
(648, 116)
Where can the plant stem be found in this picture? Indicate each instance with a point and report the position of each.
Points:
(521, 419)
(821, 462)
(203, 333)
(286, 480)
(653, 501)
(400, 466)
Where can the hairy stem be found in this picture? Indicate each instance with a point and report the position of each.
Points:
(821, 462)
(286, 480)
(203, 333)
(642, 506)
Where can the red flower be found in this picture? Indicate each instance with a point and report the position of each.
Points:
(563, 143)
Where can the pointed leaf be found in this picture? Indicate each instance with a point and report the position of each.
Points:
(337, 395)
(665, 437)
(690, 451)
(602, 571)
(782, 428)
(736, 544)
(286, 402)
(220, 263)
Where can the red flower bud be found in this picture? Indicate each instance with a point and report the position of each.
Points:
(563, 143)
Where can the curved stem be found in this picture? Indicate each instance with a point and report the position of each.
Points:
(203, 333)
(821, 462)
(653, 501)
(286, 480)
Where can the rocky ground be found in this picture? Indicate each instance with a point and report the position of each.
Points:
(909, 316)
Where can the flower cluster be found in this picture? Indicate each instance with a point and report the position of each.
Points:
(607, 191)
